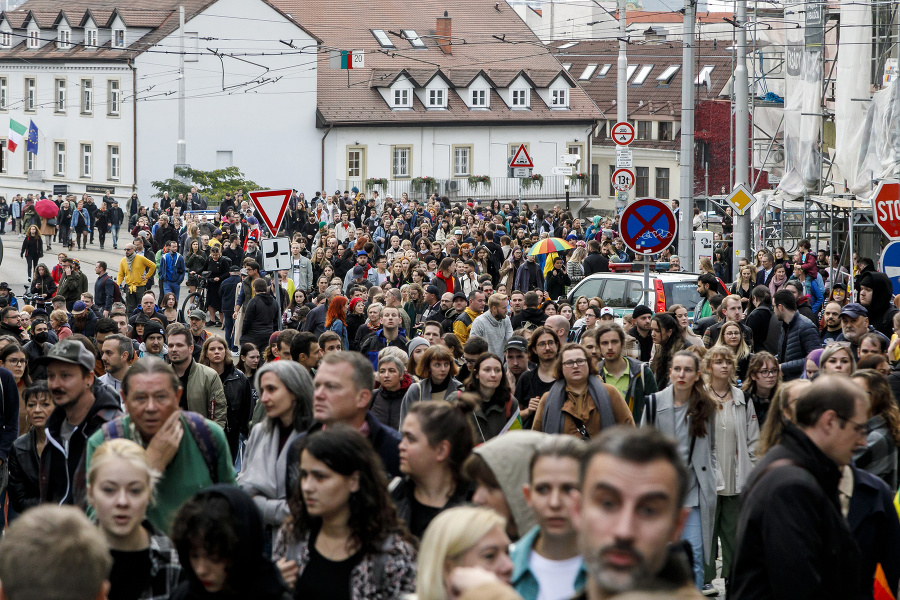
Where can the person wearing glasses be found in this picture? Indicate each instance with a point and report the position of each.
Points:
(579, 403)
(762, 383)
(879, 457)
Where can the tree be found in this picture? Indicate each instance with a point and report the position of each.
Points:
(212, 184)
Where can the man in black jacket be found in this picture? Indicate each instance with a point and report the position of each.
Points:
(763, 322)
(116, 217)
(799, 335)
(532, 316)
(104, 289)
(595, 262)
(793, 540)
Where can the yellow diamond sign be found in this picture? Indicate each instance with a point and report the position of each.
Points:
(740, 199)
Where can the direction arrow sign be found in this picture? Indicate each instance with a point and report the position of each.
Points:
(647, 226)
(521, 158)
(623, 133)
(569, 159)
(562, 170)
(886, 206)
(623, 180)
(271, 204)
(740, 199)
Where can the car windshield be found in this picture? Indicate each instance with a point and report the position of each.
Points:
(682, 292)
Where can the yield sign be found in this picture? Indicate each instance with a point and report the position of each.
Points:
(886, 206)
(271, 205)
(521, 158)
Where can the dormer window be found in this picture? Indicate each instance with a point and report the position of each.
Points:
(402, 98)
(520, 99)
(437, 99)
(118, 38)
(90, 39)
(479, 98)
(5, 39)
(64, 39)
(559, 98)
(34, 40)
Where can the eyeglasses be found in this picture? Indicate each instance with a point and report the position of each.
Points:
(15, 361)
(580, 362)
(768, 372)
(860, 429)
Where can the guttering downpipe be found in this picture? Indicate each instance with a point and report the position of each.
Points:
(327, 131)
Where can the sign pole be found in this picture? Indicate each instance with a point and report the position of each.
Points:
(741, 135)
(567, 195)
(277, 297)
(647, 281)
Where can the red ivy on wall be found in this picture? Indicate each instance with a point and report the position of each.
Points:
(712, 129)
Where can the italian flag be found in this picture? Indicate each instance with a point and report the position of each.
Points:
(16, 131)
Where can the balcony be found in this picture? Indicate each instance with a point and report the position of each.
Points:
(501, 188)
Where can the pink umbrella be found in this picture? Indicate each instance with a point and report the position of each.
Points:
(46, 209)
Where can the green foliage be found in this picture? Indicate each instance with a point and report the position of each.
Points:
(427, 182)
(371, 182)
(212, 184)
(536, 179)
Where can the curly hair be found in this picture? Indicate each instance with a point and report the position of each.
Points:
(345, 451)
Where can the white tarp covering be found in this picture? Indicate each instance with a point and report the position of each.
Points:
(879, 152)
(853, 75)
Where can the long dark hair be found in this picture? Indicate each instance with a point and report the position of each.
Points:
(667, 350)
(441, 420)
(503, 391)
(700, 405)
(345, 451)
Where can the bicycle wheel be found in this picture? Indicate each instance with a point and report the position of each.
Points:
(193, 301)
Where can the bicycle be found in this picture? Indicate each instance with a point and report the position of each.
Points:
(195, 300)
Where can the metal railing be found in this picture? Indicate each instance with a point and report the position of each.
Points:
(501, 188)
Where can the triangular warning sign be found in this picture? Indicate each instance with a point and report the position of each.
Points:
(521, 158)
(271, 204)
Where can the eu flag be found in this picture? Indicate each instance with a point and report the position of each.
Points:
(31, 144)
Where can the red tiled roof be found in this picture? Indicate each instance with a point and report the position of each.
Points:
(639, 16)
(474, 48)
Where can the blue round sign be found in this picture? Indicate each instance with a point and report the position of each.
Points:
(890, 264)
(648, 226)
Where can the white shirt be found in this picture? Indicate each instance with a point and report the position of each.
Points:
(556, 578)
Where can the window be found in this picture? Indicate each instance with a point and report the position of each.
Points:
(60, 95)
(462, 162)
(30, 161)
(113, 166)
(479, 98)
(3, 156)
(662, 183)
(704, 74)
(86, 160)
(87, 96)
(5, 39)
(567, 45)
(642, 75)
(118, 39)
(588, 71)
(34, 41)
(666, 77)
(63, 40)
(90, 39)
(559, 98)
(614, 293)
(60, 167)
(402, 99)
(520, 98)
(30, 94)
(4, 95)
(574, 149)
(665, 130)
(382, 38)
(612, 170)
(400, 162)
(603, 71)
(414, 40)
(115, 97)
(436, 98)
(224, 159)
(644, 130)
(354, 163)
(630, 72)
(642, 182)
(567, 66)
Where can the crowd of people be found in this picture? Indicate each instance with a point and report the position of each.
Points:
(413, 409)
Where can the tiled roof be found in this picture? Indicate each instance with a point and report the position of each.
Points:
(639, 16)
(478, 31)
(650, 101)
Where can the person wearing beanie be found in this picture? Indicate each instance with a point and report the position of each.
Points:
(641, 331)
(154, 343)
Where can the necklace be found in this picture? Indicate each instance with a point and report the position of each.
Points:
(720, 396)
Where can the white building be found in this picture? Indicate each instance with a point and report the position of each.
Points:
(101, 84)
(442, 94)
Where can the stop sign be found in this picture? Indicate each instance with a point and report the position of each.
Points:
(886, 206)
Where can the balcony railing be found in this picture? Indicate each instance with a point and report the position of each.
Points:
(501, 188)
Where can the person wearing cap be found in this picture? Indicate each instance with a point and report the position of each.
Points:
(799, 336)
(83, 320)
(515, 356)
(492, 325)
(432, 299)
(6, 292)
(855, 325)
(641, 331)
(83, 405)
(253, 233)
(134, 271)
(197, 319)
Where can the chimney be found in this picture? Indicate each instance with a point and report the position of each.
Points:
(444, 32)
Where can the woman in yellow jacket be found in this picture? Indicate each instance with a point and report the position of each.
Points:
(134, 271)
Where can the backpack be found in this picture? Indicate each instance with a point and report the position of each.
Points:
(197, 427)
(117, 291)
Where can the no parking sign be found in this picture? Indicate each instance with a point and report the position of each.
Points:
(647, 226)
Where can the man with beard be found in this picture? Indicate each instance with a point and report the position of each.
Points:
(203, 391)
(10, 323)
(117, 354)
(516, 358)
(832, 318)
(854, 325)
(875, 293)
(83, 320)
(642, 316)
(534, 383)
(493, 325)
(458, 305)
(633, 379)
(629, 516)
(83, 405)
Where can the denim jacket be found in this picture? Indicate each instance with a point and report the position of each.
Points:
(523, 580)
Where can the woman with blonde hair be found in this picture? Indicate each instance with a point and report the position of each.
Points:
(464, 536)
(879, 457)
(706, 266)
(732, 338)
(781, 409)
(120, 484)
(573, 265)
(437, 371)
(762, 383)
(837, 359)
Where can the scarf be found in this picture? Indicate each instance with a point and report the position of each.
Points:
(130, 261)
(448, 281)
(777, 284)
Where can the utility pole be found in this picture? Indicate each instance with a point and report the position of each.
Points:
(181, 155)
(741, 133)
(621, 84)
(686, 205)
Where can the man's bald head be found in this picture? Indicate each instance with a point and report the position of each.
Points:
(559, 324)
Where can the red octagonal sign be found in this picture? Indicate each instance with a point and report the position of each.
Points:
(886, 206)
